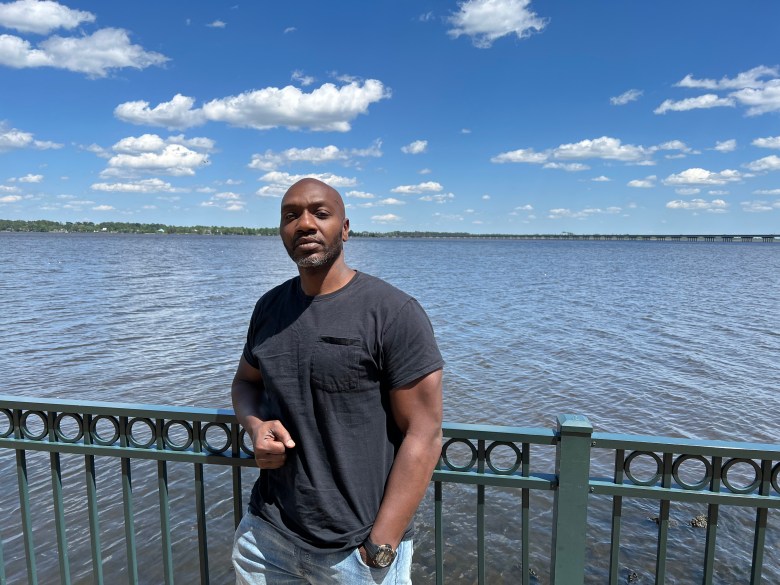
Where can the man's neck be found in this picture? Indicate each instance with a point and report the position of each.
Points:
(325, 279)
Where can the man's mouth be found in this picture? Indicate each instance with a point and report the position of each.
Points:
(307, 243)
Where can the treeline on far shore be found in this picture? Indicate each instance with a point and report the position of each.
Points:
(115, 227)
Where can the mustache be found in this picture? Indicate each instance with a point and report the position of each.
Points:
(307, 240)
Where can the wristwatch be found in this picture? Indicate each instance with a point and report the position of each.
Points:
(380, 555)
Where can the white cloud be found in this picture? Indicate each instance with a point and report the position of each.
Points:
(562, 212)
(767, 192)
(714, 206)
(381, 202)
(29, 178)
(768, 163)
(690, 191)
(271, 160)
(416, 147)
(103, 208)
(41, 17)
(386, 218)
(9, 188)
(94, 54)
(304, 80)
(760, 100)
(279, 182)
(360, 194)
(629, 96)
(173, 159)
(426, 187)
(698, 176)
(646, 183)
(425, 171)
(439, 198)
(521, 155)
(10, 198)
(604, 147)
(569, 167)
(226, 201)
(768, 142)
(327, 108)
(760, 206)
(11, 138)
(177, 113)
(465, 131)
(142, 186)
(486, 198)
(726, 145)
(717, 192)
(709, 100)
(217, 24)
(486, 21)
(155, 143)
(601, 179)
(524, 208)
(747, 79)
(289, 29)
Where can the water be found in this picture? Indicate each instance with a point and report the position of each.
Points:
(676, 339)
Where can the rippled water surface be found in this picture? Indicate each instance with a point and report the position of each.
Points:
(675, 339)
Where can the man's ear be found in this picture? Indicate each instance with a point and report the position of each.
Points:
(345, 230)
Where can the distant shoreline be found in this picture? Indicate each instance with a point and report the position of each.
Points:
(42, 226)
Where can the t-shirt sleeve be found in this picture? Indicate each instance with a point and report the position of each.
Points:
(409, 346)
(250, 339)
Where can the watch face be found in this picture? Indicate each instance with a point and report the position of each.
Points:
(384, 556)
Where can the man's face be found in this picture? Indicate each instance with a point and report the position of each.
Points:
(313, 226)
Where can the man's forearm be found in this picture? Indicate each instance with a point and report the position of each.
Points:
(246, 403)
(406, 485)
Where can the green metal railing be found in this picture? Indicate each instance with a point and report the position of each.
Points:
(654, 470)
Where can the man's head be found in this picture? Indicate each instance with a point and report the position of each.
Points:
(313, 223)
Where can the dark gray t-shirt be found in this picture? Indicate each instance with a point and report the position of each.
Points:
(328, 364)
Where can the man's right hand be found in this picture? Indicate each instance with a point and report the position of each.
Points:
(270, 441)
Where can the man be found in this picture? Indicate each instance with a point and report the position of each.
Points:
(339, 389)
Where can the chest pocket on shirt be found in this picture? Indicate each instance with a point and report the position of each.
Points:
(335, 364)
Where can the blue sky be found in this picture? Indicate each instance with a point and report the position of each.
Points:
(484, 116)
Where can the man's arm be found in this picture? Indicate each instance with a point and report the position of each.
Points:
(270, 439)
(417, 410)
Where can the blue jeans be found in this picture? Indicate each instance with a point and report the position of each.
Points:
(263, 556)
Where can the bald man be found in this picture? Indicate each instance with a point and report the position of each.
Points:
(339, 388)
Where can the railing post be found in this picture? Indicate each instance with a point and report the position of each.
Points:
(570, 506)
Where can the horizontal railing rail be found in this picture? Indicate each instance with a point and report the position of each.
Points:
(567, 463)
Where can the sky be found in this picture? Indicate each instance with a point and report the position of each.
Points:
(480, 116)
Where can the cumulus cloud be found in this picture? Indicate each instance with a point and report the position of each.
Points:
(226, 201)
(327, 108)
(627, 97)
(760, 100)
(689, 191)
(768, 142)
(698, 176)
(747, 79)
(103, 208)
(726, 145)
(10, 198)
(416, 147)
(563, 213)
(604, 147)
(360, 194)
(386, 218)
(217, 24)
(96, 54)
(601, 179)
(646, 183)
(486, 21)
(709, 100)
(141, 186)
(381, 202)
(759, 206)
(152, 154)
(714, 206)
(279, 182)
(425, 187)
(271, 160)
(568, 167)
(13, 138)
(28, 178)
(768, 163)
(766, 192)
(439, 198)
(41, 16)
(304, 80)
(521, 155)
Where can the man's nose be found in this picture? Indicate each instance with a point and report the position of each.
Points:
(306, 222)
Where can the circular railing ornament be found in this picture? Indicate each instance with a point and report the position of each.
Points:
(744, 489)
(207, 443)
(705, 481)
(242, 436)
(504, 470)
(94, 432)
(169, 442)
(647, 482)
(452, 466)
(61, 435)
(133, 440)
(10, 428)
(27, 432)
